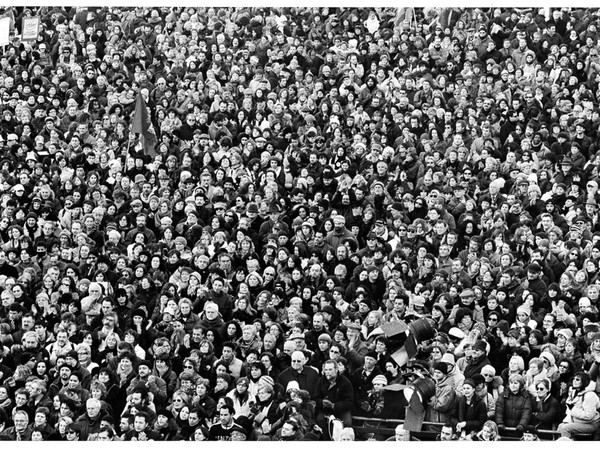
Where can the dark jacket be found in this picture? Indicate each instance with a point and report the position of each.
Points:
(513, 409)
(88, 425)
(307, 379)
(341, 394)
(473, 413)
(475, 366)
(545, 413)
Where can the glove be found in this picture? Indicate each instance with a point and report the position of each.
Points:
(501, 428)
(519, 427)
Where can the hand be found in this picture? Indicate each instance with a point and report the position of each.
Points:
(327, 404)
(501, 428)
(519, 427)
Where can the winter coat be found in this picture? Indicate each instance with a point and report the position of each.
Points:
(474, 367)
(456, 378)
(473, 413)
(545, 413)
(488, 400)
(341, 394)
(582, 407)
(441, 405)
(513, 409)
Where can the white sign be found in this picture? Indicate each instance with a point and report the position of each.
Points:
(31, 28)
(4, 31)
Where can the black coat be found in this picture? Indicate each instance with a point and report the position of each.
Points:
(545, 413)
(341, 394)
(513, 409)
(473, 413)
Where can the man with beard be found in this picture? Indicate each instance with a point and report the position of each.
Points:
(339, 232)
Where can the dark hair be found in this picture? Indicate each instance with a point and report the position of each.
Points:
(585, 379)
(228, 407)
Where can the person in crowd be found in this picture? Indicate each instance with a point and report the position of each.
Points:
(194, 199)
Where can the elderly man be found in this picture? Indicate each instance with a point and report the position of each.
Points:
(90, 421)
(20, 431)
(92, 304)
(304, 375)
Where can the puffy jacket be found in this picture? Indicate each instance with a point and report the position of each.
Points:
(513, 409)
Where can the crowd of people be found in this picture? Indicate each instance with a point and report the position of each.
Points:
(309, 177)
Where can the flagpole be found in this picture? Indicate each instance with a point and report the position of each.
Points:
(127, 150)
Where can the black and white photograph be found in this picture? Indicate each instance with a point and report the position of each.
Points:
(299, 223)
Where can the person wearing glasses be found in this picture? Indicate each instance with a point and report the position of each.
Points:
(545, 407)
(73, 432)
(20, 431)
(582, 404)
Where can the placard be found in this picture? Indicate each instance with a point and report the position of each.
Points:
(5, 31)
(31, 29)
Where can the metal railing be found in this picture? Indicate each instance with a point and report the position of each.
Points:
(384, 428)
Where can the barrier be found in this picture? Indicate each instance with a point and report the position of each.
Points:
(381, 429)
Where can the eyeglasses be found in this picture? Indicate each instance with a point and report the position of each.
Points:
(188, 367)
(296, 360)
(540, 388)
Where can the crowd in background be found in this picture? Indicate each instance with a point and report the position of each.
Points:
(309, 175)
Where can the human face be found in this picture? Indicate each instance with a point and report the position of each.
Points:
(330, 371)
(467, 390)
(298, 361)
(225, 417)
(103, 436)
(446, 434)
(139, 424)
(93, 409)
(514, 386)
